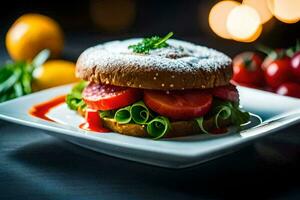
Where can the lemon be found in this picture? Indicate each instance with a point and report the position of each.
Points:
(30, 34)
(54, 73)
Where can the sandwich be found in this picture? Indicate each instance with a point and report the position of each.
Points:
(156, 87)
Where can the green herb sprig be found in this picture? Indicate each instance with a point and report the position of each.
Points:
(151, 43)
(16, 77)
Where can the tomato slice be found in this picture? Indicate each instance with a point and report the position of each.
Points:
(108, 97)
(228, 92)
(178, 105)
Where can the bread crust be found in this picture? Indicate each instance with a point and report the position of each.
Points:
(182, 65)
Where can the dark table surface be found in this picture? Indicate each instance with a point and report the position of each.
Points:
(34, 165)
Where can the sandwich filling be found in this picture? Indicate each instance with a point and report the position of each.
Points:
(157, 112)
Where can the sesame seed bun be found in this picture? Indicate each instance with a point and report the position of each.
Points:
(181, 65)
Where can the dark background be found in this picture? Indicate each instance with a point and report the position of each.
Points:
(36, 166)
(188, 19)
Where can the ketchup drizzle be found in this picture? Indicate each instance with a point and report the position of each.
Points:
(41, 110)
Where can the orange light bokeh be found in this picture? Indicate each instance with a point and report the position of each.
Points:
(218, 17)
(287, 11)
(261, 6)
(244, 23)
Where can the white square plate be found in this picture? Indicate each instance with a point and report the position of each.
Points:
(172, 153)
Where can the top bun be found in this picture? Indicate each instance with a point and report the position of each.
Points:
(181, 65)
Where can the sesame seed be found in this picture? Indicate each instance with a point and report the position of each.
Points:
(163, 85)
(172, 76)
(167, 92)
(182, 88)
(140, 85)
(156, 74)
(171, 85)
(154, 78)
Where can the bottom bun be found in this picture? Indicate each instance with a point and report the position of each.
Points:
(179, 128)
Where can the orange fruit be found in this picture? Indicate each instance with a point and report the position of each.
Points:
(30, 34)
(54, 73)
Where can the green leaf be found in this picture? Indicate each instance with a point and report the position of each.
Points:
(139, 112)
(74, 98)
(123, 115)
(239, 117)
(158, 127)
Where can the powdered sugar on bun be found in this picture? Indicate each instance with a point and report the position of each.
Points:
(180, 65)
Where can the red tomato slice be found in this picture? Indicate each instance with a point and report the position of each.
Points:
(228, 92)
(108, 97)
(178, 105)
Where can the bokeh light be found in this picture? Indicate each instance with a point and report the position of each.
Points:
(244, 23)
(261, 6)
(113, 15)
(218, 17)
(287, 11)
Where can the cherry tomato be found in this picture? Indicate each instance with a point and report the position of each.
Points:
(229, 93)
(247, 69)
(289, 89)
(295, 64)
(179, 105)
(272, 56)
(278, 72)
(108, 97)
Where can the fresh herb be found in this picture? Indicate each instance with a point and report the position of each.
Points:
(74, 98)
(16, 77)
(151, 43)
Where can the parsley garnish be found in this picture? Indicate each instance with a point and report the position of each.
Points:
(151, 43)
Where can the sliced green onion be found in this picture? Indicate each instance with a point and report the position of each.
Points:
(158, 127)
(223, 114)
(18, 89)
(139, 112)
(9, 82)
(200, 121)
(123, 115)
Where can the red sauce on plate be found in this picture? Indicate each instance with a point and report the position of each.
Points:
(89, 127)
(41, 110)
